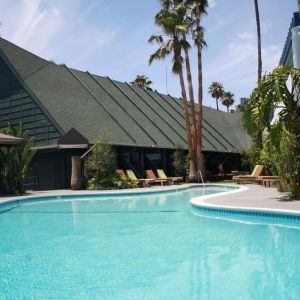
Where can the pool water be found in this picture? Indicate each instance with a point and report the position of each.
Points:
(143, 247)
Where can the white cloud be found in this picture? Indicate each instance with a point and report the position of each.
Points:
(236, 68)
(50, 30)
(26, 24)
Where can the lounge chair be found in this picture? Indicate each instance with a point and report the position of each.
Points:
(140, 182)
(150, 174)
(162, 175)
(258, 170)
(121, 173)
(267, 181)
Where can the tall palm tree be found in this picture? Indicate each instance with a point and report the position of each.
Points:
(142, 81)
(228, 100)
(259, 59)
(168, 21)
(216, 90)
(185, 25)
(259, 138)
(200, 7)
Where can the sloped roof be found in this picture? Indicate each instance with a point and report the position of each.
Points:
(132, 116)
(8, 140)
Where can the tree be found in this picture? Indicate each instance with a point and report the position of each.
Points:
(15, 161)
(179, 162)
(282, 143)
(228, 100)
(102, 164)
(259, 59)
(172, 24)
(298, 5)
(200, 7)
(216, 90)
(259, 135)
(142, 81)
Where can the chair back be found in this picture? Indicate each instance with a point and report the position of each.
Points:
(161, 174)
(121, 173)
(257, 170)
(150, 174)
(131, 175)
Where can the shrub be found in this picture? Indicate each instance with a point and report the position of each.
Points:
(180, 162)
(281, 148)
(102, 165)
(15, 162)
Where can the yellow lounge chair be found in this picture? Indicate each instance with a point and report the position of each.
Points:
(258, 170)
(150, 174)
(162, 175)
(140, 182)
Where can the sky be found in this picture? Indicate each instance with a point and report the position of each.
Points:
(109, 38)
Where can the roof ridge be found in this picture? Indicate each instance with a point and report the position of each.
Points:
(23, 49)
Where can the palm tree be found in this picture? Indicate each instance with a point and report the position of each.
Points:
(216, 90)
(259, 60)
(168, 21)
(142, 81)
(298, 5)
(200, 7)
(185, 24)
(228, 100)
(259, 138)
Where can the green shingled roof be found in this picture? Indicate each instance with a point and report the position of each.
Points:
(132, 116)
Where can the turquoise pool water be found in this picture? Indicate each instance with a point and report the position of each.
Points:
(143, 247)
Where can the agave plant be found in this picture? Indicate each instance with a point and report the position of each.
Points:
(15, 161)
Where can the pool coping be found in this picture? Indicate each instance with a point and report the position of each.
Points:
(198, 202)
(69, 193)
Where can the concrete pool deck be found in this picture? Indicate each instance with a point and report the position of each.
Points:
(256, 197)
(253, 196)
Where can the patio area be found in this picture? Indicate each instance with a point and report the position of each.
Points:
(256, 197)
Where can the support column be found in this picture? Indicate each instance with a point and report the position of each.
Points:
(296, 46)
(76, 180)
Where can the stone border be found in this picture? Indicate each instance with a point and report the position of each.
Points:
(69, 193)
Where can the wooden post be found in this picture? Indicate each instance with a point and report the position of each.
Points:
(76, 180)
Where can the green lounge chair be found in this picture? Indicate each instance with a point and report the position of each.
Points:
(140, 182)
(174, 180)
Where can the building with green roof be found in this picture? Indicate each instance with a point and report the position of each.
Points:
(66, 110)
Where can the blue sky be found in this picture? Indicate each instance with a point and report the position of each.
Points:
(109, 38)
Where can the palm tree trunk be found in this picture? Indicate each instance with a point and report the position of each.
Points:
(259, 59)
(192, 102)
(192, 172)
(227, 108)
(299, 5)
(200, 156)
(259, 63)
(217, 100)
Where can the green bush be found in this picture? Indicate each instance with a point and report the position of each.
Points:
(125, 182)
(15, 161)
(180, 162)
(250, 157)
(102, 165)
(281, 147)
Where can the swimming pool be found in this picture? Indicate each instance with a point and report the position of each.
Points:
(143, 246)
